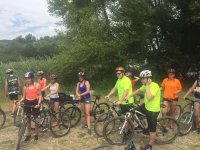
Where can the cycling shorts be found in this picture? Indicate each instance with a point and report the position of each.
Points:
(28, 110)
(13, 96)
(169, 100)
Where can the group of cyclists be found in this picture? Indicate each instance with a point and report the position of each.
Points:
(34, 93)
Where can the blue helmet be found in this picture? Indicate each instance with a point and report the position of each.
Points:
(29, 75)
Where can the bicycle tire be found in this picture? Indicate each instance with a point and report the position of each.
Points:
(119, 129)
(21, 132)
(185, 123)
(166, 137)
(100, 121)
(178, 111)
(3, 118)
(75, 115)
(92, 106)
(17, 118)
(64, 124)
(104, 147)
(99, 109)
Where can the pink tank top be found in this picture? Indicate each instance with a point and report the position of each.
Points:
(31, 94)
(41, 82)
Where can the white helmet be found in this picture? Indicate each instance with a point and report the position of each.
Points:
(145, 73)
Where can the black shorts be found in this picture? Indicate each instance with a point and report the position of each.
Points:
(43, 93)
(125, 108)
(169, 100)
(29, 110)
(13, 96)
(52, 100)
(151, 117)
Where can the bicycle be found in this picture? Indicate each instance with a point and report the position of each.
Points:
(43, 123)
(2, 118)
(104, 147)
(18, 115)
(115, 130)
(186, 120)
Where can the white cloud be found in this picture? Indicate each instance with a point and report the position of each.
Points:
(20, 17)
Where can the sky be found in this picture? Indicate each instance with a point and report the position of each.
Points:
(21, 17)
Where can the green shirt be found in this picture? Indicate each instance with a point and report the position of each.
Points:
(121, 85)
(153, 104)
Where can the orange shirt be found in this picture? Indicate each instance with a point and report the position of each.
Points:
(133, 84)
(170, 86)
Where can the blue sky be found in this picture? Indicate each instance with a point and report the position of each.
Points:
(21, 17)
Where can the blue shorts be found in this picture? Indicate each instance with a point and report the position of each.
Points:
(85, 100)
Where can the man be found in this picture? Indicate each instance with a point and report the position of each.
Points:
(124, 88)
(12, 88)
(151, 106)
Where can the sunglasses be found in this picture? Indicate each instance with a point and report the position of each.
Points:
(118, 73)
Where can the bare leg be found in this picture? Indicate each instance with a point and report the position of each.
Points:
(87, 114)
(152, 138)
(197, 114)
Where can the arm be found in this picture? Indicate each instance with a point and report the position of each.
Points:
(6, 88)
(111, 92)
(190, 90)
(45, 83)
(40, 95)
(134, 93)
(87, 89)
(148, 92)
(179, 88)
(46, 87)
(136, 79)
(23, 95)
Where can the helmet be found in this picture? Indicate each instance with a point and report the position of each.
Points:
(171, 70)
(81, 74)
(29, 75)
(9, 71)
(145, 73)
(53, 76)
(120, 69)
(129, 74)
(40, 72)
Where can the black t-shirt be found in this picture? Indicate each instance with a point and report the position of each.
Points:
(13, 85)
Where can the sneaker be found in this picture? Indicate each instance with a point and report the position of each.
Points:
(130, 146)
(89, 131)
(147, 147)
(84, 125)
(35, 137)
(28, 138)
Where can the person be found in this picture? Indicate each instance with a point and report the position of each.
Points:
(196, 89)
(151, 106)
(171, 87)
(123, 87)
(12, 88)
(53, 95)
(83, 94)
(32, 100)
(42, 81)
(130, 75)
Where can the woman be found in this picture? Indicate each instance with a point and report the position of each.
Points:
(171, 87)
(196, 89)
(42, 81)
(133, 81)
(32, 100)
(53, 95)
(83, 94)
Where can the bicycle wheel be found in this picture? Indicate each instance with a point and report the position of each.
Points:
(21, 132)
(187, 107)
(60, 124)
(100, 121)
(178, 111)
(118, 132)
(164, 130)
(104, 147)
(99, 109)
(2, 118)
(185, 123)
(18, 115)
(75, 115)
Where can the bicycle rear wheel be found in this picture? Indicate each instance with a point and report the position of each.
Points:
(185, 123)
(118, 132)
(60, 124)
(2, 118)
(100, 121)
(21, 132)
(75, 115)
(99, 109)
(164, 130)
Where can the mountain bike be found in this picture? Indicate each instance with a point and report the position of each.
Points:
(104, 147)
(186, 120)
(44, 122)
(120, 130)
(2, 118)
(18, 115)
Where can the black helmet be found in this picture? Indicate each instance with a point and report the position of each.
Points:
(171, 70)
(9, 71)
(29, 75)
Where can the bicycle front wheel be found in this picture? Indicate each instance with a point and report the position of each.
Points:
(185, 123)
(60, 124)
(99, 109)
(75, 115)
(167, 130)
(2, 118)
(18, 115)
(21, 132)
(117, 131)
(100, 121)
(178, 112)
